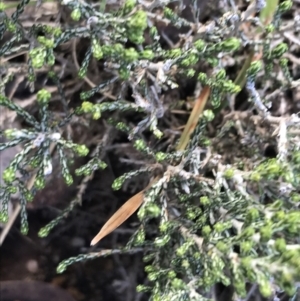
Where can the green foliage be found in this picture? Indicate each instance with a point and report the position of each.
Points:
(218, 220)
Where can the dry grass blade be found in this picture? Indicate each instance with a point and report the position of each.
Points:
(122, 214)
(241, 78)
(194, 117)
(268, 12)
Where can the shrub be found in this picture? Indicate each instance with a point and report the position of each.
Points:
(225, 211)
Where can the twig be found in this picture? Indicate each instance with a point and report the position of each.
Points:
(17, 209)
(86, 79)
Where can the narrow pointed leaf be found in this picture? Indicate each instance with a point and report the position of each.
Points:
(121, 215)
(194, 118)
(268, 12)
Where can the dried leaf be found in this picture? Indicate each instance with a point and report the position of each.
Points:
(122, 214)
(194, 118)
